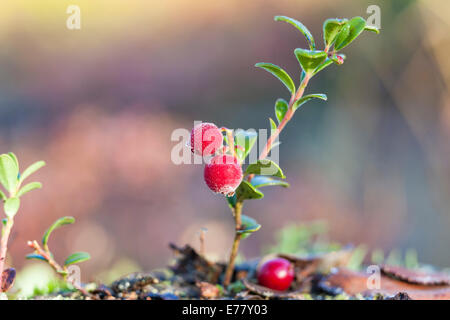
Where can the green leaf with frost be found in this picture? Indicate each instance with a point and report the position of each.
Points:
(265, 167)
(308, 97)
(279, 73)
(301, 27)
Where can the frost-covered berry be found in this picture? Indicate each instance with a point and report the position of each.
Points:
(276, 274)
(223, 174)
(206, 139)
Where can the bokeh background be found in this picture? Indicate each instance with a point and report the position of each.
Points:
(99, 106)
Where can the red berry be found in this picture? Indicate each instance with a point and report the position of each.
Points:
(206, 139)
(223, 174)
(276, 274)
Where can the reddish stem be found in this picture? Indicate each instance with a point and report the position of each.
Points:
(287, 117)
(4, 243)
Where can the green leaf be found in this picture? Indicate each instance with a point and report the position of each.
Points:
(308, 97)
(246, 140)
(273, 125)
(342, 35)
(300, 26)
(265, 167)
(309, 59)
(3, 196)
(13, 156)
(247, 191)
(4, 222)
(31, 169)
(279, 73)
(58, 223)
(35, 256)
(350, 32)
(323, 65)
(264, 181)
(11, 206)
(248, 226)
(281, 107)
(331, 28)
(30, 186)
(8, 172)
(372, 29)
(231, 201)
(77, 258)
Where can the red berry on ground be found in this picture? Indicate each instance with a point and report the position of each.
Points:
(206, 139)
(276, 274)
(223, 174)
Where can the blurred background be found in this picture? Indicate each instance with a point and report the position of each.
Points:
(99, 106)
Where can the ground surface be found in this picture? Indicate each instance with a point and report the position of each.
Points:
(316, 277)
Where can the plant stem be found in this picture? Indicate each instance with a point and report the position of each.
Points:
(48, 256)
(286, 118)
(237, 239)
(55, 265)
(4, 243)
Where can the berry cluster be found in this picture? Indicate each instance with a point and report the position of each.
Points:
(223, 173)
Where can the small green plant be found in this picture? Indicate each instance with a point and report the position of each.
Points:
(43, 253)
(12, 180)
(224, 174)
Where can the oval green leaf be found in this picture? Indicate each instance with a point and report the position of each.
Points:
(309, 59)
(77, 258)
(331, 28)
(8, 172)
(308, 97)
(278, 73)
(58, 223)
(350, 32)
(281, 107)
(246, 191)
(28, 187)
(264, 181)
(11, 206)
(301, 27)
(265, 167)
(323, 65)
(248, 226)
(31, 169)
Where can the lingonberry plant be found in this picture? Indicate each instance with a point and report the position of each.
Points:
(43, 253)
(12, 180)
(224, 174)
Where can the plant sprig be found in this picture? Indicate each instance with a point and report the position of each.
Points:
(43, 253)
(337, 34)
(12, 180)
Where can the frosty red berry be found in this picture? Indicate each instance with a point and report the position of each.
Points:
(223, 174)
(206, 139)
(276, 274)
